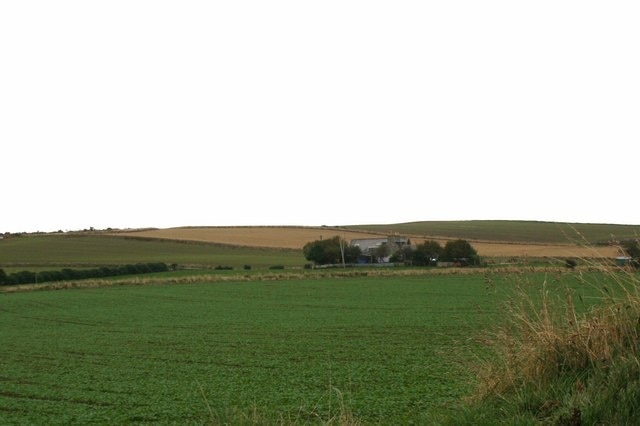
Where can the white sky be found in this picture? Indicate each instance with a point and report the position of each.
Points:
(171, 113)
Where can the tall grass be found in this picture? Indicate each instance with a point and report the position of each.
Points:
(559, 363)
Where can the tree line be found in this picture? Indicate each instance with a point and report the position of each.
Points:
(68, 274)
(336, 250)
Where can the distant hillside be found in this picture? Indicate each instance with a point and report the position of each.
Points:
(294, 237)
(61, 250)
(263, 246)
(511, 231)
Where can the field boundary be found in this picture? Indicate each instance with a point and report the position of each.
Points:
(337, 273)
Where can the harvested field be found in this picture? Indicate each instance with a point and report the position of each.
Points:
(297, 237)
(251, 236)
(543, 250)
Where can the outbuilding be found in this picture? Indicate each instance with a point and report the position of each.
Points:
(623, 260)
(368, 247)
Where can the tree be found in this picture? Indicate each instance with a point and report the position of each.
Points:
(459, 251)
(426, 252)
(3, 277)
(352, 253)
(631, 248)
(382, 251)
(405, 254)
(323, 252)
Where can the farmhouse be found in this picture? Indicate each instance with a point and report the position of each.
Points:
(380, 249)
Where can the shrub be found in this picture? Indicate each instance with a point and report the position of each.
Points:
(426, 252)
(22, 277)
(276, 267)
(328, 251)
(247, 267)
(158, 267)
(223, 268)
(458, 250)
(68, 274)
(555, 365)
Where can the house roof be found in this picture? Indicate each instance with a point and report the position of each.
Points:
(366, 244)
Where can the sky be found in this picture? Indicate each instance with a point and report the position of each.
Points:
(128, 114)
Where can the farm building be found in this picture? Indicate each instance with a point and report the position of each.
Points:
(624, 260)
(372, 247)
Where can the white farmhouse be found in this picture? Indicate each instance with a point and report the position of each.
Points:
(369, 247)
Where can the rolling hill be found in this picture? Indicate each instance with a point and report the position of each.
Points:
(264, 246)
(491, 238)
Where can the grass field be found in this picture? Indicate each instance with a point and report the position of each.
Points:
(512, 231)
(51, 251)
(522, 241)
(390, 350)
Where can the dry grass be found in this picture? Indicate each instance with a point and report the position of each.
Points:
(548, 338)
(272, 276)
(290, 237)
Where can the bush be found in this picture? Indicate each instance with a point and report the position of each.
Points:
(459, 251)
(276, 267)
(552, 364)
(247, 267)
(426, 252)
(223, 268)
(158, 267)
(323, 252)
(22, 277)
(68, 274)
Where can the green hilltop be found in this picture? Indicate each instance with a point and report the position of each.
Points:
(511, 231)
(48, 251)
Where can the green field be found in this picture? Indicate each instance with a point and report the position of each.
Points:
(512, 231)
(391, 350)
(50, 251)
(387, 346)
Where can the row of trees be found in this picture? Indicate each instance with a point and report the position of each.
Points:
(631, 248)
(430, 252)
(336, 250)
(67, 274)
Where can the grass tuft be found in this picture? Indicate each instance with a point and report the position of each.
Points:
(554, 361)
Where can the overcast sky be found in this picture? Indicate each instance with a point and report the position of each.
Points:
(173, 113)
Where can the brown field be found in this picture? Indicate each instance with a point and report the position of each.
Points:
(290, 237)
(285, 237)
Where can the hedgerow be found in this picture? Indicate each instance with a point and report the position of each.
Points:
(68, 274)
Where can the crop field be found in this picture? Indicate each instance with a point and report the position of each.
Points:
(512, 231)
(289, 237)
(388, 350)
(296, 237)
(39, 252)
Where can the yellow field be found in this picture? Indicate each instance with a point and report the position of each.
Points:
(290, 237)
